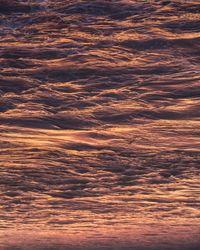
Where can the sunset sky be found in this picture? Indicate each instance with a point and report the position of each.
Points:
(100, 125)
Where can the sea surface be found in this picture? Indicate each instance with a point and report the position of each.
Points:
(100, 125)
